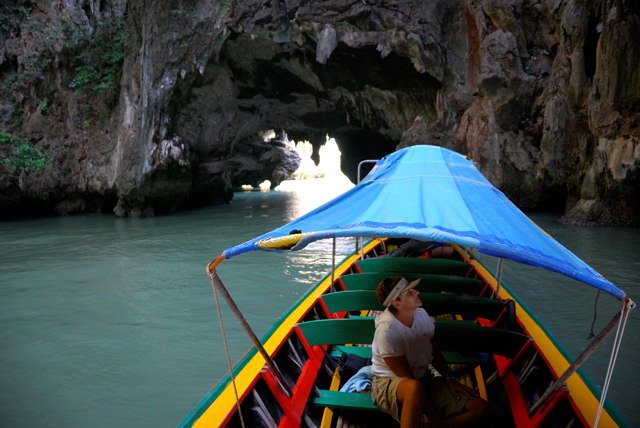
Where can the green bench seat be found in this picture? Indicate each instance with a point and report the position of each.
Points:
(434, 303)
(345, 400)
(365, 352)
(338, 331)
(464, 337)
(360, 351)
(432, 283)
(415, 265)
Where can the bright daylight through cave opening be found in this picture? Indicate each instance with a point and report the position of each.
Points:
(326, 173)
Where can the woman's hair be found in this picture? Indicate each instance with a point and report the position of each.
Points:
(384, 288)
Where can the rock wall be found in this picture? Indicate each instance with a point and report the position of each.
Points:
(543, 95)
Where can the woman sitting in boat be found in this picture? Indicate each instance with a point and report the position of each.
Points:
(403, 385)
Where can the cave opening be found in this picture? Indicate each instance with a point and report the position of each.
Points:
(362, 99)
(354, 143)
(314, 182)
(359, 99)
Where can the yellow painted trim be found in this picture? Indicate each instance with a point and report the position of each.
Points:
(327, 415)
(226, 401)
(579, 391)
(482, 389)
(286, 241)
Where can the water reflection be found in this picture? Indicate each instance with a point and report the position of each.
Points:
(306, 195)
(311, 265)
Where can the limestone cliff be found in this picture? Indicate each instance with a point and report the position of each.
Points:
(543, 95)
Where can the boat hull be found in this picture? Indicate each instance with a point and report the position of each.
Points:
(499, 372)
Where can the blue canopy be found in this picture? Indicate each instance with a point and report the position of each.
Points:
(430, 193)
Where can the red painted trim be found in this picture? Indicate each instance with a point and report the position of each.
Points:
(315, 353)
(486, 283)
(285, 404)
(547, 410)
(323, 305)
(304, 386)
(293, 407)
(498, 318)
(486, 288)
(284, 423)
(513, 390)
(518, 406)
(506, 365)
(485, 322)
(546, 360)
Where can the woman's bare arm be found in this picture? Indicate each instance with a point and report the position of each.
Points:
(399, 366)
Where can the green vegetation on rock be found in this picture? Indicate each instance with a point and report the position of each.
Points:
(97, 55)
(19, 155)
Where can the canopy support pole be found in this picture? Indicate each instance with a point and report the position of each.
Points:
(333, 265)
(498, 277)
(595, 343)
(247, 328)
(362, 163)
(357, 182)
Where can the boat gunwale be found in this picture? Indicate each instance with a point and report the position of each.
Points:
(225, 381)
(554, 365)
(556, 357)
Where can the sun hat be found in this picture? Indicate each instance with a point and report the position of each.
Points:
(402, 286)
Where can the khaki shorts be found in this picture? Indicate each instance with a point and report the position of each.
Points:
(384, 394)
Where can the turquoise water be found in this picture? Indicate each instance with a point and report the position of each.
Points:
(110, 322)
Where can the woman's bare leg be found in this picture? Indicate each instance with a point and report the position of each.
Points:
(414, 402)
(475, 411)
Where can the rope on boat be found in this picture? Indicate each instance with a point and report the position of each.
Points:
(591, 334)
(384, 246)
(627, 306)
(226, 350)
(217, 282)
(595, 343)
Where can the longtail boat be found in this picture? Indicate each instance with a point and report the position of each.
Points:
(422, 212)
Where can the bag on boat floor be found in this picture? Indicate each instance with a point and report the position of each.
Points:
(349, 364)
